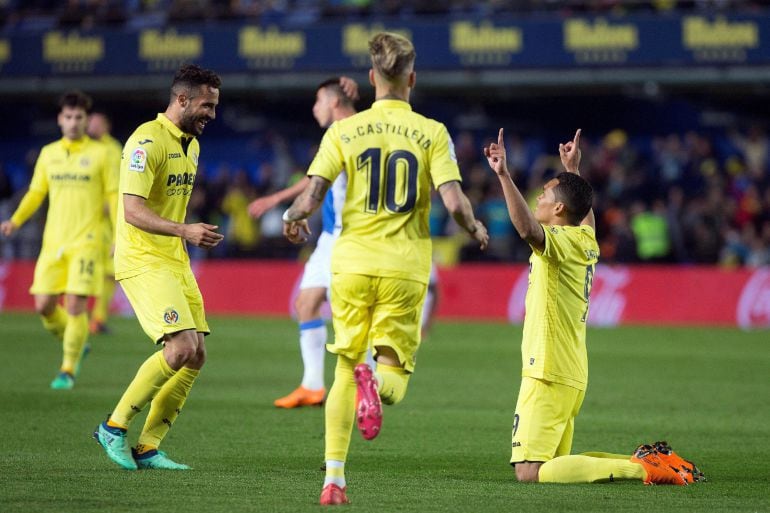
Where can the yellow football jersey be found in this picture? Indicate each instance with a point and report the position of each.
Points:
(391, 155)
(553, 346)
(76, 177)
(159, 164)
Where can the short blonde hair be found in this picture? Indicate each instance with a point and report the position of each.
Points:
(392, 54)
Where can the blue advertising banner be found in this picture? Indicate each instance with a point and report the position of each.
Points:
(504, 43)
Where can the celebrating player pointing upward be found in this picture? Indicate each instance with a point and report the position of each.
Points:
(561, 233)
(160, 161)
(382, 258)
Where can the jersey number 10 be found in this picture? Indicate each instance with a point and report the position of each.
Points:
(371, 162)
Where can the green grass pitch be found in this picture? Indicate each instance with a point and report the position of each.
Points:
(445, 448)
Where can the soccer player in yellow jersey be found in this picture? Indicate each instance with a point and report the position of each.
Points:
(382, 258)
(74, 173)
(99, 127)
(561, 233)
(160, 161)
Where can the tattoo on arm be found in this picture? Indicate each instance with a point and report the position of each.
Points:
(310, 199)
(318, 188)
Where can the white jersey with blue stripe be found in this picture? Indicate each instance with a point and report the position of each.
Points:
(331, 210)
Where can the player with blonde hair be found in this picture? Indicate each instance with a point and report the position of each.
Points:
(381, 261)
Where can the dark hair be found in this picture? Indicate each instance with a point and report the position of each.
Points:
(333, 85)
(191, 76)
(76, 99)
(576, 194)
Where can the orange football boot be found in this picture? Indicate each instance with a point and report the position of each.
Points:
(333, 495)
(658, 471)
(301, 396)
(667, 454)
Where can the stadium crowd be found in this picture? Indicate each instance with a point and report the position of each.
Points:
(676, 198)
(86, 14)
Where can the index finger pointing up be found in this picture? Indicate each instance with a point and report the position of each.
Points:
(500, 137)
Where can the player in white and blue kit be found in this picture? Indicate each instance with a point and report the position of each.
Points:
(334, 101)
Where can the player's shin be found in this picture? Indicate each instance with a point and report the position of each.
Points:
(74, 339)
(55, 323)
(150, 377)
(340, 410)
(586, 469)
(166, 407)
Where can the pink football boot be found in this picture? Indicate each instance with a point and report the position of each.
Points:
(369, 406)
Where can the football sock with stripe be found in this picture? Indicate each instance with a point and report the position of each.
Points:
(166, 406)
(392, 383)
(586, 469)
(335, 473)
(56, 322)
(340, 410)
(75, 336)
(312, 343)
(150, 377)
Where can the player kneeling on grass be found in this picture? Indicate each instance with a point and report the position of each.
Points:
(561, 232)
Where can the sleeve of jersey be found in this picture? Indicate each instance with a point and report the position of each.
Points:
(328, 162)
(137, 169)
(443, 162)
(557, 243)
(38, 189)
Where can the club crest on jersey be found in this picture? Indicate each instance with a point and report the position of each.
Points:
(170, 316)
(84, 162)
(138, 160)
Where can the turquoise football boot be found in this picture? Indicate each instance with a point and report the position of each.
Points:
(63, 381)
(155, 459)
(113, 441)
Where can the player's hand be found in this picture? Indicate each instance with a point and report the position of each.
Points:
(261, 205)
(570, 154)
(296, 231)
(495, 154)
(349, 87)
(480, 235)
(8, 228)
(202, 235)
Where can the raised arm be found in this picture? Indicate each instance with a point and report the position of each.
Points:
(518, 210)
(459, 207)
(295, 226)
(261, 205)
(138, 214)
(570, 155)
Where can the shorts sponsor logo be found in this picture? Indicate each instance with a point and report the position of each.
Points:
(138, 160)
(754, 304)
(170, 316)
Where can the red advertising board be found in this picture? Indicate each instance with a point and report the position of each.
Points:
(621, 294)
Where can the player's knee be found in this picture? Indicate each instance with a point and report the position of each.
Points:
(527, 472)
(183, 349)
(307, 307)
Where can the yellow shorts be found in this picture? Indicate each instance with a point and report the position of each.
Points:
(78, 271)
(376, 311)
(166, 302)
(544, 420)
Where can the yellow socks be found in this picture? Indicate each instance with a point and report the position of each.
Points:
(101, 308)
(340, 410)
(74, 338)
(166, 406)
(586, 469)
(392, 383)
(150, 377)
(56, 322)
(609, 455)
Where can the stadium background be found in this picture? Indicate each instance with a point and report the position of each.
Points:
(671, 96)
